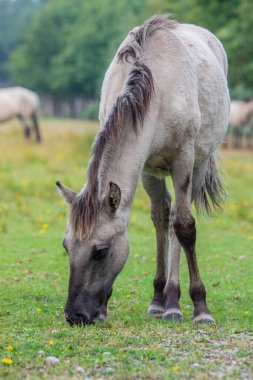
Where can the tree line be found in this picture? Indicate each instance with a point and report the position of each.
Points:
(63, 47)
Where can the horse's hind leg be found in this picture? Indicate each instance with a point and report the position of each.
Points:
(160, 210)
(36, 127)
(248, 136)
(26, 128)
(184, 227)
(236, 136)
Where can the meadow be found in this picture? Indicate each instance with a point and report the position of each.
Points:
(130, 344)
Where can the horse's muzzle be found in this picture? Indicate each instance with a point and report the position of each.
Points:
(80, 319)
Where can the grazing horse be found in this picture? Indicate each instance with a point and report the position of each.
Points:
(164, 110)
(241, 114)
(22, 103)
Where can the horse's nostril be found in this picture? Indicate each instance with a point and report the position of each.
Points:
(81, 319)
(69, 319)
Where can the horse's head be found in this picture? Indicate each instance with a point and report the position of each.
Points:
(96, 260)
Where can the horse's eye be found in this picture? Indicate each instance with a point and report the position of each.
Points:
(100, 252)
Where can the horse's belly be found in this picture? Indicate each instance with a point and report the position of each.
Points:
(6, 114)
(7, 110)
(157, 165)
(160, 164)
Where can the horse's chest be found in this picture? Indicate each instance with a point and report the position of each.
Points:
(158, 165)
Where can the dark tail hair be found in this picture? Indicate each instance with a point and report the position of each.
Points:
(212, 194)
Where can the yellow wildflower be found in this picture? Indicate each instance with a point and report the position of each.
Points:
(44, 226)
(246, 313)
(9, 348)
(51, 342)
(175, 368)
(7, 361)
(38, 310)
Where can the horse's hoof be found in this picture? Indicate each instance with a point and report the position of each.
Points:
(172, 316)
(204, 319)
(155, 311)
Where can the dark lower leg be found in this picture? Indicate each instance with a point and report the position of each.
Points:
(172, 289)
(156, 307)
(236, 138)
(160, 211)
(27, 131)
(36, 128)
(198, 293)
(186, 234)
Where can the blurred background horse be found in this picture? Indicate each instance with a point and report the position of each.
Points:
(21, 103)
(241, 114)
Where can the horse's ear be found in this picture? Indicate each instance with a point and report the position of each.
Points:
(113, 197)
(67, 194)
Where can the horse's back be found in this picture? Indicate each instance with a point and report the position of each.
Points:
(18, 101)
(190, 67)
(210, 41)
(27, 101)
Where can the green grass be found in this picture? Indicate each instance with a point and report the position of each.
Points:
(130, 345)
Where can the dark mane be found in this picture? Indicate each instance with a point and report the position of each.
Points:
(143, 33)
(134, 101)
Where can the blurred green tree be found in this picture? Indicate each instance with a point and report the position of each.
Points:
(14, 18)
(69, 45)
(232, 22)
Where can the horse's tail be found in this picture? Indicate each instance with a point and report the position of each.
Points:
(212, 193)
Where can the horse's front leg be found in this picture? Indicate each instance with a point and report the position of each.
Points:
(172, 291)
(184, 227)
(160, 209)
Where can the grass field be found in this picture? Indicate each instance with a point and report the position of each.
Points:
(129, 345)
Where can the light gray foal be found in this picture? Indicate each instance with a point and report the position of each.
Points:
(164, 110)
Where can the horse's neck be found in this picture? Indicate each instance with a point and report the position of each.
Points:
(122, 163)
